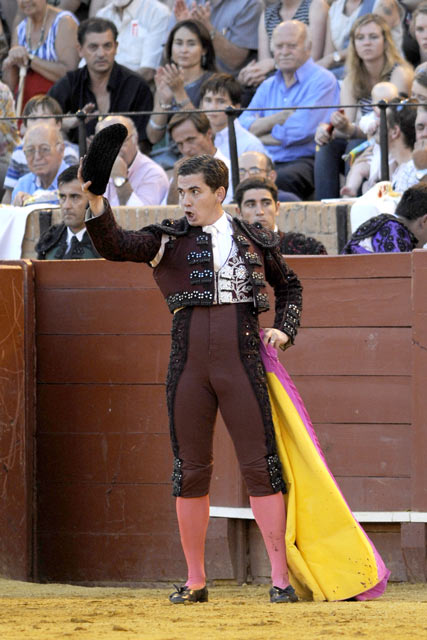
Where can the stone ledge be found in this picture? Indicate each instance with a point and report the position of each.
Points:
(311, 218)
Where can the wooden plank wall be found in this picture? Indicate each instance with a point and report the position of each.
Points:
(105, 513)
(104, 462)
(352, 364)
(17, 420)
(353, 367)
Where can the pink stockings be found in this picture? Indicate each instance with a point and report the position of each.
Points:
(193, 518)
(270, 516)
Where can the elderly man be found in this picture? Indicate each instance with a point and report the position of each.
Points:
(193, 136)
(257, 201)
(68, 240)
(288, 134)
(102, 85)
(37, 107)
(136, 179)
(44, 152)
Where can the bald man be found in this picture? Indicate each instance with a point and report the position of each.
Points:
(288, 134)
(254, 164)
(135, 179)
(44, 152)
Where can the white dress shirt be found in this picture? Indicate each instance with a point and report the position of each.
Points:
(221, 232)
(70, 235)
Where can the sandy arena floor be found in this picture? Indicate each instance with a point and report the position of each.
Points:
(42, 612)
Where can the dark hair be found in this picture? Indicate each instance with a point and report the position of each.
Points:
(403, 113)
(255, 183)
(95, 25)
(223, 83)
(413, 203)
(200, 121)
(68, 175)
(208, 58)
(270, 163)
(46, 102)
(214, 170)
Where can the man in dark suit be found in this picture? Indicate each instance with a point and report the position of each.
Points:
(68, 240)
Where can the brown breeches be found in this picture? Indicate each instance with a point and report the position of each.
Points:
(214, 376)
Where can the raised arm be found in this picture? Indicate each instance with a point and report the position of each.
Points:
(110, 240)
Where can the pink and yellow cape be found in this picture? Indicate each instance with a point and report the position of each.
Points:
(330, 557)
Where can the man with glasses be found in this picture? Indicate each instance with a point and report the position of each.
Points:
(254, 164)
(44, 152)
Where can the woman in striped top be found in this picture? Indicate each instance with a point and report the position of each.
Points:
(45, 42)
(313, 13)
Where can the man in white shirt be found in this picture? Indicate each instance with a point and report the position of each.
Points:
(193, 136)
(220, 91)
(143, 27)
(136, 179)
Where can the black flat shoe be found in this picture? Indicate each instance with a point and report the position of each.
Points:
(185, 594)
(283, 595)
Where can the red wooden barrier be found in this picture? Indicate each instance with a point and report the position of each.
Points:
(104, 509)
(17, 420)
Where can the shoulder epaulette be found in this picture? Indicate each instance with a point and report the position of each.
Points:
(50, 237)
(174, 227)
(260, 235)
(371, 226)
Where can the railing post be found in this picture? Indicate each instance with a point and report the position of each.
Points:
(232, 145)
(81, 117)
(385, 174)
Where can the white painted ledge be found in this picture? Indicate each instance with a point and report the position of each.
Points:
(245, 513)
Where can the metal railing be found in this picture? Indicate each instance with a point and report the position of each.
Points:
(231, 113)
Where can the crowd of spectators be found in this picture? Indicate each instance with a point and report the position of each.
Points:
(64, 62)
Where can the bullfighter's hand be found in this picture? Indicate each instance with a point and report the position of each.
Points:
(275, 338)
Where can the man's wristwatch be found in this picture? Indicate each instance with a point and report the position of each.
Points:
(31, 57)
(119, 181)
(336, 56)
